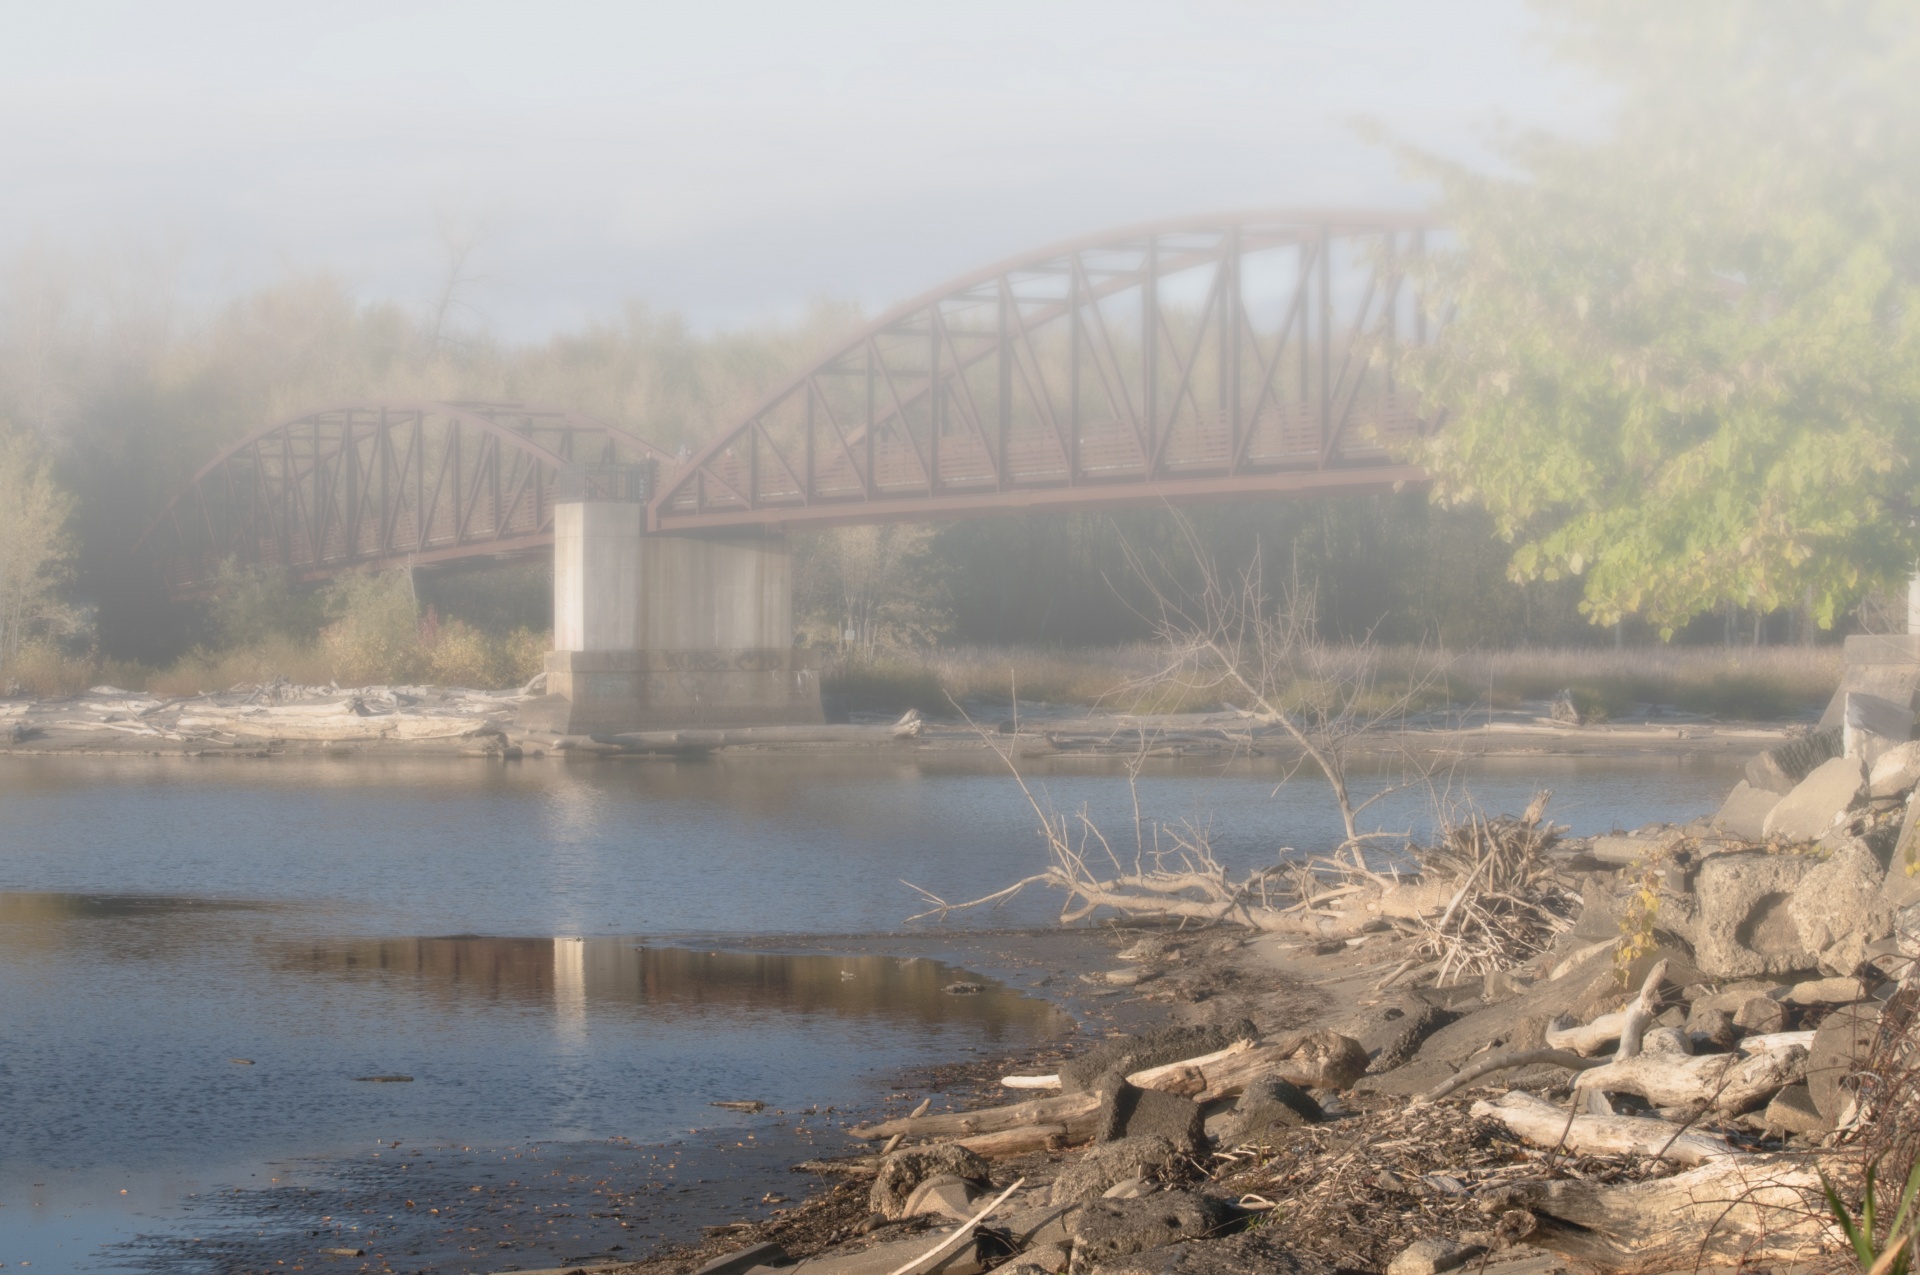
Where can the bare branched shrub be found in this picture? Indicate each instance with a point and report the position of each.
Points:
(1173, 873)
(1231, 638)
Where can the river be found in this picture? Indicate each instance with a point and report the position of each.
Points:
(202, 963)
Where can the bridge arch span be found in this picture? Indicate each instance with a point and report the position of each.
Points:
(1201, 358)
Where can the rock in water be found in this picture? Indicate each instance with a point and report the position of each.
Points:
(1817, 802)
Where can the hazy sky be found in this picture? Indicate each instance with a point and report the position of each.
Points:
(728, 160)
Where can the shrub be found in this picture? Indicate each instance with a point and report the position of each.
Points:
(525, 655)
(374, 635)
(461, 655)
(41, 669)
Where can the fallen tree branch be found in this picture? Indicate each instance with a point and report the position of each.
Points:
(1729, 1084)
(1504, 1062)
(1544, 1124)
(1742, 1209)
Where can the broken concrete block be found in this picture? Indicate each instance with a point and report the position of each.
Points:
(744, 1260)
(1779, 769)
(1710, 1026)
(944, 1196)
(1761, 1014)
(1819, 801)
(1841, 1045)
(1792, 1109)
(1431, 1257)
(1744, 813)
(1827, 991)
(1254, 1252)
(970, 1256)
(1887, 665)
(1874, 724)
(1744, 926)
(1267, 1105)
(1127, 1111)
(1037, 1226)
(1393, 1031)
(1105, 1229)
(1837, 909)
(1896, 772)
(1040, 1259)
(1111, 1162)
(903, 1171)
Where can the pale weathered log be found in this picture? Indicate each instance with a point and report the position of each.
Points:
(1545, 1124)
(1640, 1013)
(1733, 1209)
(1040, 1137)
(962, 1124)
(1728, 1083)
(1030, 1082)
(641, 741)
(1767, 1042)
(1588, 1039)
(1320, 1060)
(1185, 1076)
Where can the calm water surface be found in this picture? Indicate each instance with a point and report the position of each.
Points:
(550, 951)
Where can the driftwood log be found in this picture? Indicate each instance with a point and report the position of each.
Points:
(648, 741)
(1587, 1039)
(1729, 1084)
(1731, 1210)
(1320, 1060)
(1546, 1125)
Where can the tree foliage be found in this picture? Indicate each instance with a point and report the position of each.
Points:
(34, 548)
(1683, 364)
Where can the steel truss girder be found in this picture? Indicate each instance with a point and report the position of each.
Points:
(1223, 356)
(368, 483)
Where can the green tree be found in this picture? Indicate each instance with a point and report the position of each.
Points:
(34, 546)
(1683, 365)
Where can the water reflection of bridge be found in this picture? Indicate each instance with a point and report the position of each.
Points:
(617, 976)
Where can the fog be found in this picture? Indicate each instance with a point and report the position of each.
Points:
(729, 162)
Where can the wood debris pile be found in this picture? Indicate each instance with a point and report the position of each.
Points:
(107, 718)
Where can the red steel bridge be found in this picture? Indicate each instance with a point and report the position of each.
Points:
(1201, 359)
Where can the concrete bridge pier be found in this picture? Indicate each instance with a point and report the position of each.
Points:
(666, 631)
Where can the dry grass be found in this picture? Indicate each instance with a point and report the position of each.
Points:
(1767, 683)
(302, 663)
(1745, 682)
(458, 655)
